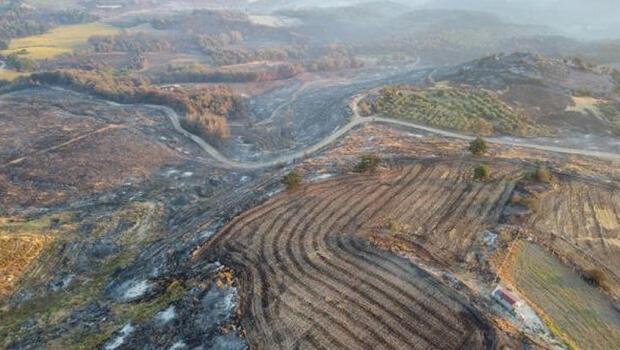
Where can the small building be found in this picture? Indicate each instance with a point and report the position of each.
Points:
(506, 299)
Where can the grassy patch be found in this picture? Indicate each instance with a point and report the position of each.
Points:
(6, 74)
(141, 222)
(573, 309)
(58, 41)
(466, 109)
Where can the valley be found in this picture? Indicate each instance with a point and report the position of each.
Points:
(214, 175)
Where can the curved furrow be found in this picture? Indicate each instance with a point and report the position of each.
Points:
(440, 319)
(374, 315)
(344, 263)
(299, 303)
(396, 265)
(383, 282)
(396, 322)
(260, 291)
(375, 268)
(390, 291)
(272, 251)
(379, 290)
(318, 287)
(258, 212)
(295, 279)
(275, 277)
(386, 264)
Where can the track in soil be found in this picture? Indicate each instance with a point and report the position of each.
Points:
(311, 282)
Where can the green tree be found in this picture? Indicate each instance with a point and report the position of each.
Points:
(478, 147)
(367, 163)
(542, 174)
(292, 180)
(482, 172)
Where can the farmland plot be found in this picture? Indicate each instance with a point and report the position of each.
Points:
(584, 222)
(311, 280)
(583, 314)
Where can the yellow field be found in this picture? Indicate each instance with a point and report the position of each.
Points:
(16, 254)
(9, 74)
(58, 41)
(53, 3)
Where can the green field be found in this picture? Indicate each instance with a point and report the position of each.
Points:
(471, 110)
(58, 41)
(578, 311)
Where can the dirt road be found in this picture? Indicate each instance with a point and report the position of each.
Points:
(356, 120)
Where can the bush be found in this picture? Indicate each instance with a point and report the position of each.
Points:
(482, 172)
(542, 174)
(367, 163)
(478, 147)
(596, 278)
(532, 203)
(292, 180)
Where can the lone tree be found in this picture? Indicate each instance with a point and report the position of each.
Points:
(542, 174)
(292, 180)
(482, 172)
(478, 147)
(367, 163)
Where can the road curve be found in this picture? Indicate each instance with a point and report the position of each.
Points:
(354, 121)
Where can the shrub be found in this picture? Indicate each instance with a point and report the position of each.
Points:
(482, 172)
(478, 147)
(542, 174)
(596, 278)
(367, 163)
(531, 203)
(292, 180)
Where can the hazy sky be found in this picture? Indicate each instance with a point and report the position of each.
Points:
(589, 19)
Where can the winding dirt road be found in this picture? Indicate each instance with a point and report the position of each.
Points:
(356, 120)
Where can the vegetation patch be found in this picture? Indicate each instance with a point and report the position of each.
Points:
(478, 147)
(579, 312)
(21, 243)
(58, 41)
(467, 109)
(292, 180)
(482, 173)
(611, 112)
(368, 163)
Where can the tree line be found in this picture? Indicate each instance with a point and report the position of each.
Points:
(205, 109)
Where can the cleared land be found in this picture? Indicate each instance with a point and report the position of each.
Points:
(312, 280)
(459, 108)
(58, 41)
(59, 146)
(581, 313)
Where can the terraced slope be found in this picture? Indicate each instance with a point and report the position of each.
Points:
(583, 315)
(312, 281)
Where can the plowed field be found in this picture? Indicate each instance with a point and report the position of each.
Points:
(311, 280)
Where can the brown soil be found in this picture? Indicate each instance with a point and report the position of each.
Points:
(311, 279)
